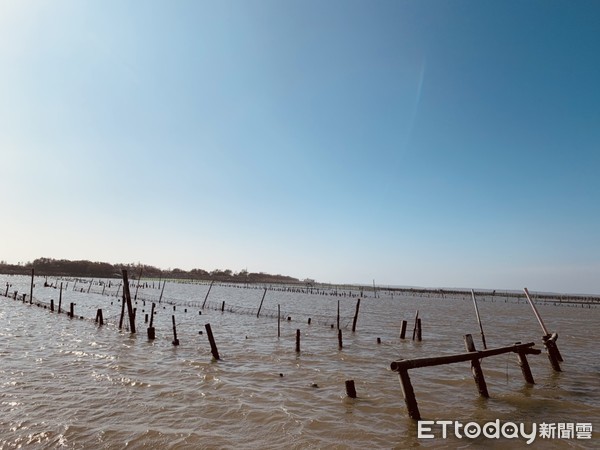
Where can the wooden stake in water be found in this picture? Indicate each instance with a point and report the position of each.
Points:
(478, 319)
(355, 316)
(415, 328)
(128, 300)
(206, 298)
(161, 292)
(175, 340)
(60, 297)
(213, 344)
(31, 289)
(278, 320)
(261, 303)
(350, 389)
(138, 283)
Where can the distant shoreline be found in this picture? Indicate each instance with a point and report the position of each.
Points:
(49, 267)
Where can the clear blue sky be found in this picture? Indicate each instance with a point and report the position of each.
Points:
(427, 143)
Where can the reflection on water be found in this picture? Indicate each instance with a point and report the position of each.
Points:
(67, 382)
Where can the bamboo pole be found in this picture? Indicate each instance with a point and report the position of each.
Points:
(535, 311)
(478, 319)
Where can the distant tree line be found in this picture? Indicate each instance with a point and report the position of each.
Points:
(84, 268)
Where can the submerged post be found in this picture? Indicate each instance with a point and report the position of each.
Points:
(205, 298)
(350, 389)
(261, 303)
(31, 288)
(409, 395)
(549, 339)
(403, 329)
(297, 341)
(415, 328)
(278, 321)
(476, 368)
(60, 297)
(355, 316)
(161, 292)
(213, 344)
(175, 340)
(151, 331)
(99, 317)
(128, 300)
(524, 365)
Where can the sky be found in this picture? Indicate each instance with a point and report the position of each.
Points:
(414, 143)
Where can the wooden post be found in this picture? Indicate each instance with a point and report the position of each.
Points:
(355, 316)
(350, 389)
(297, 341)
(524, 365)
(211, 340)
(338, 315)
(415, 328)
(403, 329)
(103, 288)
(409, 395)
(223, 306)
(278, 321)
(99, 317)
(122, 310)
(71, 310)
(340, 343)
(60, 297)
(128, 299)
(476, 368)
(419, 333)
(261, 303)
(31, 288)
(151, 331)
(209, 288)
(90, 286)
(138, 283)
(6, 293)
(550, 344)
(161, 292)
(175, 340)
(478, 319)
(549, 339)
(51, 305)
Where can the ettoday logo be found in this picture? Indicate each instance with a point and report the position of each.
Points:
(472, 430)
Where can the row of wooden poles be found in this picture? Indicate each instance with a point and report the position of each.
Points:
(131, 313)
(402, 366)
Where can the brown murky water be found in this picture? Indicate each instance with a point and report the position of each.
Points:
(69, 383)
